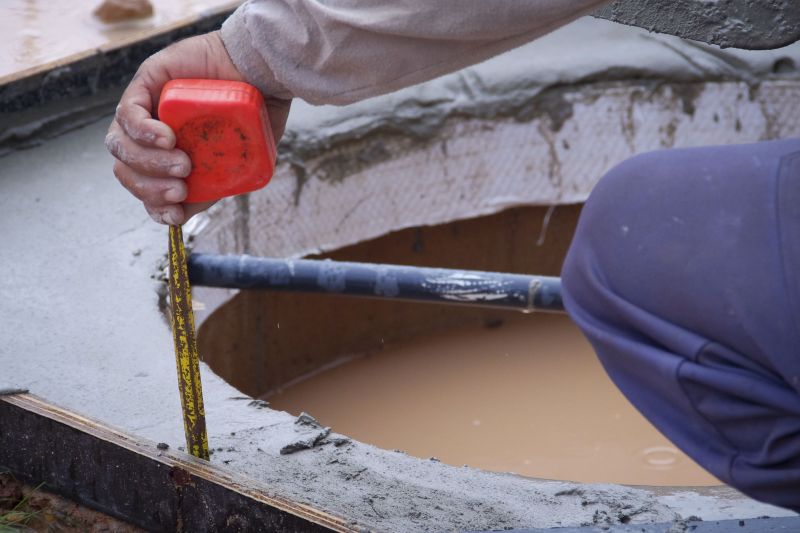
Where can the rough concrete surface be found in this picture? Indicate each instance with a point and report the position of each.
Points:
(746, 24)
(80, 326)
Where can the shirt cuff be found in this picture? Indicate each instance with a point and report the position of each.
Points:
(245, 56)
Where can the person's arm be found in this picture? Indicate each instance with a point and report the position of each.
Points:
(342, 51)
(325, 52)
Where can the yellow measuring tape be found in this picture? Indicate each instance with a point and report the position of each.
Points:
(186, 354)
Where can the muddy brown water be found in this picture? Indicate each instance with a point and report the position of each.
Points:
(527, 396)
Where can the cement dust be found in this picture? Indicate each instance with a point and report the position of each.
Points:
(37, 32)
(527, 397)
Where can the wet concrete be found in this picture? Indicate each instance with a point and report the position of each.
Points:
(81, 328)
(737, 23)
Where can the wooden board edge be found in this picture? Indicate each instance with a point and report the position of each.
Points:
(105, 48)
(24, 416)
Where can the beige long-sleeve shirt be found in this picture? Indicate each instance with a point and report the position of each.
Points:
(342, 51)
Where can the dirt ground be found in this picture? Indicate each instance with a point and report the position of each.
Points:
(27, 508)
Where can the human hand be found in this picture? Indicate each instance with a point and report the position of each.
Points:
(147, 162)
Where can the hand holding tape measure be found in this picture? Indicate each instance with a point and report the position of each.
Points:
(147, 162)
(224, 128)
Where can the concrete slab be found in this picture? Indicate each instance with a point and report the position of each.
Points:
(80, 326)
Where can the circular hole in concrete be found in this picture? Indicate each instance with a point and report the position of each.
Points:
(495, 390)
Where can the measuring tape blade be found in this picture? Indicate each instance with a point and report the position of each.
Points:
(186, 354)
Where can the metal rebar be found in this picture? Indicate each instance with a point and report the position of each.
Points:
(438, 285)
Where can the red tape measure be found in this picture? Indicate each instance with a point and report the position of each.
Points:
(224, 128)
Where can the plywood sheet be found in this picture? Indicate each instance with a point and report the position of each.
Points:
(39, 35)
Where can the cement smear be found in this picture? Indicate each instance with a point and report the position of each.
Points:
(525, 84)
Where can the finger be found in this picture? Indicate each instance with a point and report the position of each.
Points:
(144, 160)
(166, 214)
(157, 192)
(137, 123)
(278, 112)
(175, 213)
(137, 105)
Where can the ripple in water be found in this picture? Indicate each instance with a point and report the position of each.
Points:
(661, 457)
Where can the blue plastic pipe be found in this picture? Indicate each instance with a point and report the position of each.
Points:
(438, 285)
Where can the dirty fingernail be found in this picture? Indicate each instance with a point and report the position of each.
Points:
(157, 217)
(170, 218)
(175, 194)
(178, 170)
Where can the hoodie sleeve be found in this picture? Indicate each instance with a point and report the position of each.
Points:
(342, 51)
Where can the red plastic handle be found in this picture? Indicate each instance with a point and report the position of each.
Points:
(223, 126)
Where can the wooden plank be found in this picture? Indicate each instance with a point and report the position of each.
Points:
(99, 69)
(41, 39)
(130, 478)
